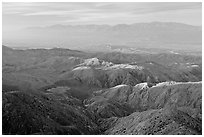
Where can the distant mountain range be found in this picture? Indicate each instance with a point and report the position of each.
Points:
(153, 35)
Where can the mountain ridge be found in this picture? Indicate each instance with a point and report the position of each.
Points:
(116, 25)
(157, 34)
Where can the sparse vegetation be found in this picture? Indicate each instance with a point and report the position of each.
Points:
(106, 94)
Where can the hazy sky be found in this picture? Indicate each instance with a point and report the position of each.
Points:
(19, 15)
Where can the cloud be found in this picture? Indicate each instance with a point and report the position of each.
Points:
(166, 6)
(93, 12)
(42, 9)
(45, 13)
(18, 7)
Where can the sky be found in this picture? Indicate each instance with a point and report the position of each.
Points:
(21, 15)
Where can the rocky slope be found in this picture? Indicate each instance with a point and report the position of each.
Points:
(50, 113)
(106, 74)
(141, 97)
(155, 122)
(61, 91)
(38, 68)
(166, 108)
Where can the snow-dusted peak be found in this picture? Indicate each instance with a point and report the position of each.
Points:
(81, 68)
(126, 66)
(119, 86)
(173, 52)
(194, 66)
(96, 62)
(92, 61)
(198, 82)
(142, 86)
(106, 64)
(167, 83)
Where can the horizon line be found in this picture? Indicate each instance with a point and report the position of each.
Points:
(91, 24)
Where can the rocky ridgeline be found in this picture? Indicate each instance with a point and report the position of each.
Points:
(61, 91)
(166, 108)
(95, 72)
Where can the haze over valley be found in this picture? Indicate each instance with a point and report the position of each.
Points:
(162, 35)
